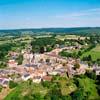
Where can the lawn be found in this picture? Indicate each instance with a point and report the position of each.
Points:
(95, 53)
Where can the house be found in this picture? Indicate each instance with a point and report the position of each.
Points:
(40, 73)
(37, 58)
(81, 70)
(53, 73)
(25, 77)
(47, 78)
(14, 55)
(1, 80)
(37, 79)
(12, 63)
(97, 71)
(4, 82)
(58, 66)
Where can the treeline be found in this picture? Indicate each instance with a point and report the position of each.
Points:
(76, 54)
(4, 48)
(45, 44)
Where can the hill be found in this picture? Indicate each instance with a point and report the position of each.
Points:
(79, 30)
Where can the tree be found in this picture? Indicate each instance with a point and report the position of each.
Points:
(0, 88)
(46, 84)
(20, 59)
(68, 97)
(12, 84)
(89, 58)
(54, 94)
(98, 62)
(78, 94)
(30, 81)
(42, 50)
(79, 53)
(76, 66)
(47, 60)
(37, 96)
(91, 75)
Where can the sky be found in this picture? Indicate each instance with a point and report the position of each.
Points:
(17, 14)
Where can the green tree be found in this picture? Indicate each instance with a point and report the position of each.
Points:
(78, 94)
(1, 88)
(12, 84)
(76, 66)
(91, 75)
(20, 59)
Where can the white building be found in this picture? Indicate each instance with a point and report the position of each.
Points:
(12, 63)
(97, 71)
(26, 77)
(37, 79)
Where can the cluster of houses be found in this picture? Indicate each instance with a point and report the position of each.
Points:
(4, 76)
(41, 67)
(4, 82)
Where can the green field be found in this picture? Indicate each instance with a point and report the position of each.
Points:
(74, 37)
(95, 53)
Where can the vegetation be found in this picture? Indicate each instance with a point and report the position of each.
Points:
(20, 59)
(76, 65)
(12, 84)
(94, 53)
(83, 87)
(68, 54)
(78, 88)
(1, 88)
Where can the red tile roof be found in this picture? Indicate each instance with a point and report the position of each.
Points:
(47, 78)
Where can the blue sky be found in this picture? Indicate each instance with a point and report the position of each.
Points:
(49, 13)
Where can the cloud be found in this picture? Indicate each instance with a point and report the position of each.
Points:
(88, 12)
(89, 17)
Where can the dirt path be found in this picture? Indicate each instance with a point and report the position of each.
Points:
(4, 93)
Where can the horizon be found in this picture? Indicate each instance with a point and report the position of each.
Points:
(10, 29)
(33, 14)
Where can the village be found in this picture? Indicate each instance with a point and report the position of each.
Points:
(41, 67)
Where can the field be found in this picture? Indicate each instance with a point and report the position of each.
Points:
(43, 36)
(95, 53)
(74, 37)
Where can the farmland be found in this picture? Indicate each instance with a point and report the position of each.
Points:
(95, 53)
(73, 37)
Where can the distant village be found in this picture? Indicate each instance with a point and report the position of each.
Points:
(41, 67)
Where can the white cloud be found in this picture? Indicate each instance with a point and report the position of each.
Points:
(89, 12)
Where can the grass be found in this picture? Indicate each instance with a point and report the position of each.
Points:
(89, 86)
(95, 53)
(25, 89)
(43, 36)
(67, 87)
